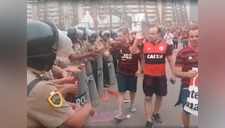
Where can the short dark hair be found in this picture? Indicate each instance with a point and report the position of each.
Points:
(124, 30)
(158, 29)
(194, 27)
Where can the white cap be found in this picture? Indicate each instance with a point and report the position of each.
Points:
(80, 33)
(64, 32)
(88, 31)
(64, 45)
(105, 32)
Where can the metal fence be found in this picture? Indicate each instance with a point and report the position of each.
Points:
(69, 13)
(64, 14)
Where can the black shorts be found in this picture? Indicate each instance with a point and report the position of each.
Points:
(155, 84)
(126, 83)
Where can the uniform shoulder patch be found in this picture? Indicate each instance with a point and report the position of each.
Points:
(55, 99)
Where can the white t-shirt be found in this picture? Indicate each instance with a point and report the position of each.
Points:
(169, 38)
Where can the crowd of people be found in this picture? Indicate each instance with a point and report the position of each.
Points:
(176, 35)
(67, 71)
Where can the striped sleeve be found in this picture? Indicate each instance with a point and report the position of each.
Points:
(169, 51)
(179, 60)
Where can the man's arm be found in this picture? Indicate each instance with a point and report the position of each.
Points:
(74, 56)
(139, 71)
(178, 68)
(69, 88)
(59, 81)
(180, 74)
(75, 106)
(62, 88)
(142, 63)
(106, 53)
(171, 35)
(171, 64)
(100, 47)
(134, 49)
(57, 71)
(164, 37)
(71, 69)
(79, 118)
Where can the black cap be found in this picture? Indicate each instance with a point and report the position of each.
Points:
(42, 38)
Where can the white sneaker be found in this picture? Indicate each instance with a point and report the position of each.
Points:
(119, 116)
(132, 107)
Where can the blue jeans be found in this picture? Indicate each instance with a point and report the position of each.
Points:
(184, 93)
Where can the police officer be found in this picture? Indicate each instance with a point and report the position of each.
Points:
(91, 40)
(62, 65)
(45, 104)
(79, 52)
(106, 41)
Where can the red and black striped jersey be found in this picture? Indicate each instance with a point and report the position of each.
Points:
(128, 63)
(187, 58)
(155, 57)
